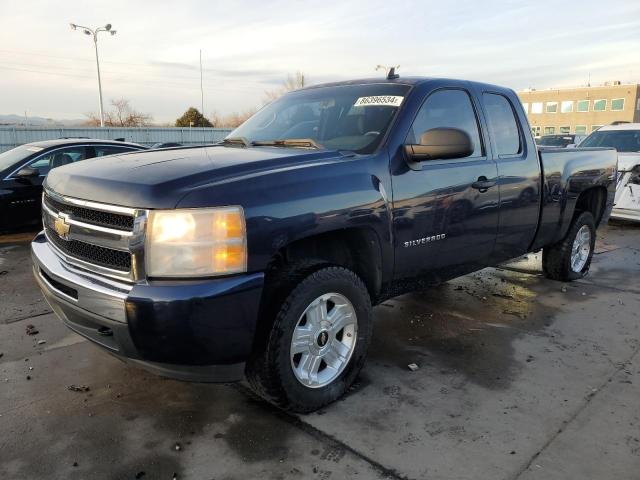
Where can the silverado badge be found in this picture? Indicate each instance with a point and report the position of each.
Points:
(62, 227)
(424, 240)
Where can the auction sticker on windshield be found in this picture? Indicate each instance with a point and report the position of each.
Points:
(379, 100)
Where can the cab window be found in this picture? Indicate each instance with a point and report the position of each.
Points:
(502, 124)
(451, 108)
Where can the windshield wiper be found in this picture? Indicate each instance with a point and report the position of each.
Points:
(289, 142)
(236, 141)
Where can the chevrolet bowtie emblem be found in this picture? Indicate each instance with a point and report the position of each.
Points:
(61, 227)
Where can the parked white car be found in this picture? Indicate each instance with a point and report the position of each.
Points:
(626, 139)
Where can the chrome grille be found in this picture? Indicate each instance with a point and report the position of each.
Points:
(94, 217)
(105, 239)
(105, 257)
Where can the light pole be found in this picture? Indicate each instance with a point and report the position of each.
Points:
(94, 33)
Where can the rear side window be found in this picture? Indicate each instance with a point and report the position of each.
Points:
(102, 150)
(451, 109)
(502, 124)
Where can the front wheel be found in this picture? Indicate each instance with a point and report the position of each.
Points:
(317, 344)
(570, 259)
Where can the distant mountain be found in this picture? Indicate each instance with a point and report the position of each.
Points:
(19, 120)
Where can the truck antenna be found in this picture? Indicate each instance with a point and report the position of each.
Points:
(391, 71)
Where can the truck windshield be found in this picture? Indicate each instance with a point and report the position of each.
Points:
(346, 117)
(621, 140)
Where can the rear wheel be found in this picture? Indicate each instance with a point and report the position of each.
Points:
(317, 344)
(570, 259)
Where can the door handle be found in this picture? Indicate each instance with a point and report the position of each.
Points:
(483, 184)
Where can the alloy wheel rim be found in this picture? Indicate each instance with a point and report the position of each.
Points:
(323, 340)
(581, 249)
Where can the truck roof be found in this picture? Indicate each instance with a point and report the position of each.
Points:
(412, 81)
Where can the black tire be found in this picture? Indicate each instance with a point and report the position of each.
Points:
(556, 259)
(269, 371)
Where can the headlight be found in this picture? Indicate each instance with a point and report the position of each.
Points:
(196, 242)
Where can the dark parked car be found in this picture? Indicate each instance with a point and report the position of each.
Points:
(23, 169)
(562, 141)
(263, 255)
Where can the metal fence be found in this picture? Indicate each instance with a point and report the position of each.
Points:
(11, 137)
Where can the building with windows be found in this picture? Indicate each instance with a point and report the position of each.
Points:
(580, 110)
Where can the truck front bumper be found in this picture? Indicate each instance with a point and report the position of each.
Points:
(189, 330)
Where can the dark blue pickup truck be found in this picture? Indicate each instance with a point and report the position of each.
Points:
(263, 255)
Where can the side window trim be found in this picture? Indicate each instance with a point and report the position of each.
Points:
(483, 150)
(522, 152)
(120, 148)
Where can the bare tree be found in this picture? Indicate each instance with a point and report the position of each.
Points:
(231, 120)
(93, 120)
(292, 82)
(235, 119)
(215, 119)
(121, 115)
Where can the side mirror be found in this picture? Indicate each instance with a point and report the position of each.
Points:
(441, 143)
(27, 173)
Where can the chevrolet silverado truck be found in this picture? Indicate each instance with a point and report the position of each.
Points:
(262, 256)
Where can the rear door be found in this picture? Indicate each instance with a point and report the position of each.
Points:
(445, 224)
(518, 174)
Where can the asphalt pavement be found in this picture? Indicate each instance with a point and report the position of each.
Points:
(519, 377)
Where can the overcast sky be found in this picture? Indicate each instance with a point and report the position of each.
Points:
(249, 47)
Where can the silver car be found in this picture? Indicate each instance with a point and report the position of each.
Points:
(625, 138)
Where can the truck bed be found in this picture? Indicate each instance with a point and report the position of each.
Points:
(566, 173)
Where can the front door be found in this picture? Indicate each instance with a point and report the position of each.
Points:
(24, 203)
(446, 211)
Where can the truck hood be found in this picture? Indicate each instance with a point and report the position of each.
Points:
(160, 178)
(628, 160)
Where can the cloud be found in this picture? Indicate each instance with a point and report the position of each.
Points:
(250, 46)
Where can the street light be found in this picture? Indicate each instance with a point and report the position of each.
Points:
(94, 33)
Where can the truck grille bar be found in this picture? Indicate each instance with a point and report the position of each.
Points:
(104, 239)
(105, 257)
(94, 217)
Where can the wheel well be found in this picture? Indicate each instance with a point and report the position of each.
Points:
(593, 200)
(357, 249)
